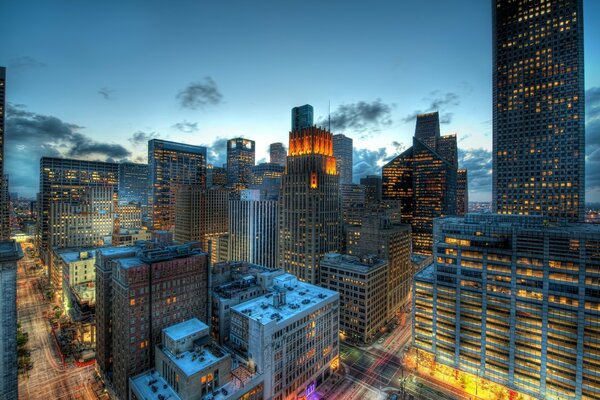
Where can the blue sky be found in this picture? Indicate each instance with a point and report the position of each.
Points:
(108, 75)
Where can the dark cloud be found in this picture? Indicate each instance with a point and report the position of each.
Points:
(199, 95)
(186, 127)
(29, 136)
(216, 152)
(369, 162)
(106, 93)
(25, 62)
(437, 102)
(360, 116)
(478, 162)
(141, 138)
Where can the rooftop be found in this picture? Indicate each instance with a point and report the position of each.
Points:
(356, 264)
(185, 329)
(300, 296)
(111, 251)
(10, 251)
(130, 262)
(192, 362)
(426, 273)
(77, 255)
(152, 386)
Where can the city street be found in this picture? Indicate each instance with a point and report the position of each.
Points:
(49, 378)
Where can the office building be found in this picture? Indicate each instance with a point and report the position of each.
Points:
(241, 155)
(235, 282)
(133, 186)
(514, 300)
(380, 235)
(362, 286)
(302, 117)
(372, 184)
(172, 165)
(129, 236)
(309, 205)
(342, 151)
(462, 192)
(254, 229)
(277, 154)
(4, 204)
(10, 254)
(352, 197)
(539, 108)
(66, 180)
(158, 287)
(266, 177)
(215, 176)
(423, 178)
(290, 336)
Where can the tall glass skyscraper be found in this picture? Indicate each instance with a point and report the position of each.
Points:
(133, 186)
(241, 154)
(538, 94)
(342, 151)
(171, 165)
(277, 153)
(302, 117)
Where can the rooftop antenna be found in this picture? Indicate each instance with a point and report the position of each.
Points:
(329, 118)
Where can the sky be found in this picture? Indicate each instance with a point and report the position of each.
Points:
(96, 80)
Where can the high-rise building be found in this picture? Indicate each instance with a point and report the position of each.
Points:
(342, 151)
(133, 186)
(254, 229)
(352, 197)
(277, 154)
(241, 155)
(67, 180)
(462, 192)
(302, 117)
(171, 165)
(539, 109)
(514, 300)
(372, 184)
(10, 253)
(290, 336)
(362, 285)
(4, 203)
(423, 178)
(309, 208)
(158, 287)
(266, 177)
(215, 176)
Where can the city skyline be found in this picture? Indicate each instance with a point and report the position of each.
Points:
(197, 103)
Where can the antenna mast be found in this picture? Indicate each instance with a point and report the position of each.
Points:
(329, 129)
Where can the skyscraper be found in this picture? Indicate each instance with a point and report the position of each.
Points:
(310, 221)
(241, 155)
(277, 153)
(266, 177)
(215, 176)
(423, 178)
(67, 180)
(4, 207)
(302, 117)
(10, 254)
(342, 151)
(462, 192)
(170, 166)
(539, 108)
(372, 184)
(133, 186)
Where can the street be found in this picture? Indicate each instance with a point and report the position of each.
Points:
(49, 378)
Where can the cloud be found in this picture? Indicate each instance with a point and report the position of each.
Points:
(25, 62)
(141, 137)
(199, 95)
(29, 136)
(360, 116)
(369, 162)
(186, 127)
(478, 162)
(592, 144)
(106, 93)
(437, 102)
(216, 152)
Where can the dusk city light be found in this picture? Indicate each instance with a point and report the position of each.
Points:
(316, 200)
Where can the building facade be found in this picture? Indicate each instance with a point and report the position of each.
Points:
(215, 176)
(362, 286)
(462, 192)
(424, 179)
(241, 154)
(133, 186)
(514, 300)
(10, 254)
(254, 229)
(277, 154)
(66, 180)
(309, 206)
(539, 109)
(171, 165)
(290, 336)
(4, 204)
(266, 177)
(302, 117)
(342, 151)
(372, 184)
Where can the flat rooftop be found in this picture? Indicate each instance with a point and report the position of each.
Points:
(300, 296)
(75, 255)
(10, 250)
(426, 273)
(185, 329)
(151, 386)
(192, 362)
(111, 251)
(352, 263)
(130, 262)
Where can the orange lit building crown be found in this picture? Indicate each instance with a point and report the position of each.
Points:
(311, 140)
